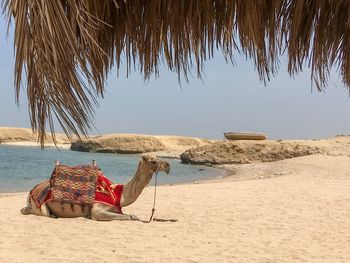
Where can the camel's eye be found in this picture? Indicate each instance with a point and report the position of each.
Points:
(154, 162)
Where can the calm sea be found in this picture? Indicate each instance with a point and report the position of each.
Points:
(23, 167)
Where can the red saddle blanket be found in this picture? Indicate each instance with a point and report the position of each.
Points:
(68, 185)
(108, 193)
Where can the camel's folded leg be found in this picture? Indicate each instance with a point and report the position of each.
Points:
(101, 212)
(32, 209)
(28, 209)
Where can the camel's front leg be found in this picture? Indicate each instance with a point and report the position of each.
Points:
(102, 212)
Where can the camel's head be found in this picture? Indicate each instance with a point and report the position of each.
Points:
(156, 164)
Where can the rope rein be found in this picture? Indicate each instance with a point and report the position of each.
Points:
(154, 199)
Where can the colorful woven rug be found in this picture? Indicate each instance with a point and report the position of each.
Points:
(75, 185)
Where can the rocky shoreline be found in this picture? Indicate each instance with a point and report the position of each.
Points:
(190, 150)
(244, 152)
(214, 153)
(139, 144)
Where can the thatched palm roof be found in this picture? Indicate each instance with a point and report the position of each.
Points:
(67, 47)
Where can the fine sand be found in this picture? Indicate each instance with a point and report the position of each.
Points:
(295, 210)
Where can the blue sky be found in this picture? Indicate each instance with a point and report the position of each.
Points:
(230, 98)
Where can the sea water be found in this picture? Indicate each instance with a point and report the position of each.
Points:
(23, 167)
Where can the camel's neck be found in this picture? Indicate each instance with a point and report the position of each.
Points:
(134, 188)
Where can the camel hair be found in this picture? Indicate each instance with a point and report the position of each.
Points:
(146, 168)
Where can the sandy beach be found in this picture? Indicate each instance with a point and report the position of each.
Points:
(295, 210)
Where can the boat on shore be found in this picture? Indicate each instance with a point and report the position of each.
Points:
(244, 136)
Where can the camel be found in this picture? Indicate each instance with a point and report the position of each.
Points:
(146, 168)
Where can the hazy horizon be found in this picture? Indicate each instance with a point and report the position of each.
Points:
(228, 99)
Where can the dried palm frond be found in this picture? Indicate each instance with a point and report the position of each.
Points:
(67, 47)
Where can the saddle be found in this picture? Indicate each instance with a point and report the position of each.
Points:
(83, 184)
(75, 185)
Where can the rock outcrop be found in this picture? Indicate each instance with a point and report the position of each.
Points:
(246, 152)
(119, 144)
(169, 146)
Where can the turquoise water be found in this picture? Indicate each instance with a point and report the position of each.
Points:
(23, 167)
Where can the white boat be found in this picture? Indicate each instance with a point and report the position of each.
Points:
(245, 136)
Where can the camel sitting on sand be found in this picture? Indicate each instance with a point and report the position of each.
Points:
(98, 211)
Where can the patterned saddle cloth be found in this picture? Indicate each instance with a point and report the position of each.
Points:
(75, 185)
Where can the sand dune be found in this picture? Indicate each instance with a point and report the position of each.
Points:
(25, 137)
(295, 210)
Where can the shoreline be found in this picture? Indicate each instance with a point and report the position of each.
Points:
(178, 144)
(36, 144)
(190, 174)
